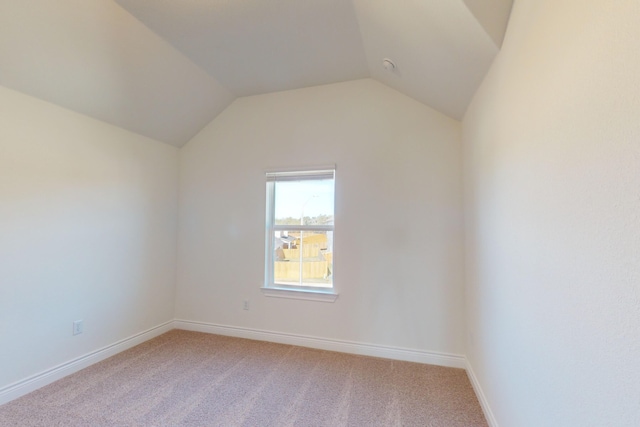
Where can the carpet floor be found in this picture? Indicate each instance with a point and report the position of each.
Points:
(194, 379)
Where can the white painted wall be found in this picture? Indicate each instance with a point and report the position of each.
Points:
(88, 216)
(552, 191)
(398, 241)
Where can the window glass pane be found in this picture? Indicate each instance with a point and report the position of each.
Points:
(308, 202)
(306, 254)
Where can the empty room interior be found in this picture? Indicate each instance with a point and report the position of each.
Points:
(451, 184)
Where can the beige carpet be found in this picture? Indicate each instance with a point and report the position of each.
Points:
(193, 379)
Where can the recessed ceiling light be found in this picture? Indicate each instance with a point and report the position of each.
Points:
(388, 64)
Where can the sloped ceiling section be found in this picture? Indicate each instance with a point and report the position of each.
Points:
(258, 46)
(165, 68)
(93, 57)
(493, 15)
(442, 53)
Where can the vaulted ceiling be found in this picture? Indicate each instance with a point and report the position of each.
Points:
(165, 68)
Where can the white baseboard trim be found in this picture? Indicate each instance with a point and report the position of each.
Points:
(396, 353)
(34, 382)
(488, 413)
(20, 388)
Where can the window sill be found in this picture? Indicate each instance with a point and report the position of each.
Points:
(304, 294)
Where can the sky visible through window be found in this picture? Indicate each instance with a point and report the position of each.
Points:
(310, 198)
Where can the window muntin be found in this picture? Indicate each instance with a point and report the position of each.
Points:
(299, 230)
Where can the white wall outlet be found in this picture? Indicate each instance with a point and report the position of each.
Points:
(78, 327)
(246, 304)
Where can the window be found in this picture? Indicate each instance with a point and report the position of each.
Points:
(299, 234)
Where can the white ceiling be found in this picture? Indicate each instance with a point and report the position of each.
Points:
(169, 77)
(441, 51)
(257, 46)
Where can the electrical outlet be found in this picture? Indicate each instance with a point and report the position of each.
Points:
(78, 327)
(246, 304)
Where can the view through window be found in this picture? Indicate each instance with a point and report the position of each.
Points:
(300, 228)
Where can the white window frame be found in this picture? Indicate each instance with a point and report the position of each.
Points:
(270, 288)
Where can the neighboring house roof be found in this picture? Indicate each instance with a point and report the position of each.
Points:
(315, 238)
(284, 240)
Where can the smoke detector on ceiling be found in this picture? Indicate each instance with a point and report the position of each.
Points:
(388, 64)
